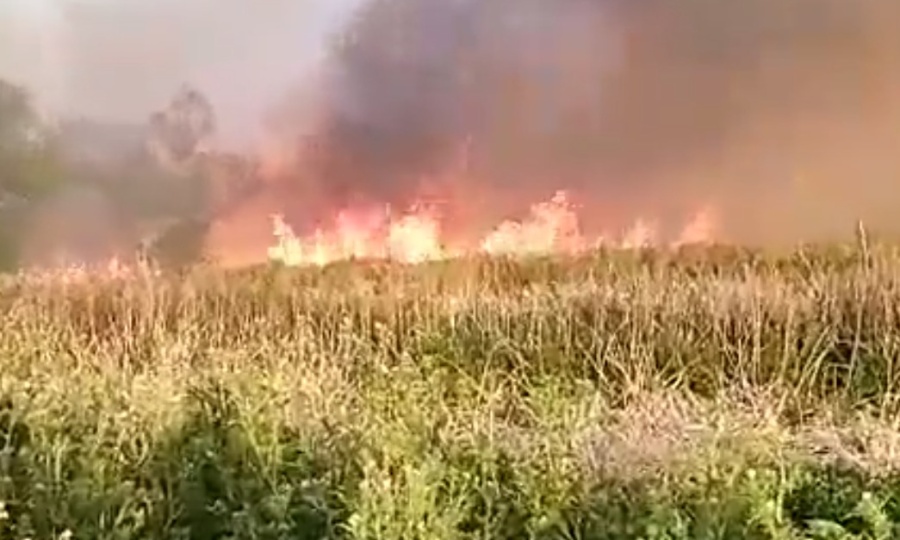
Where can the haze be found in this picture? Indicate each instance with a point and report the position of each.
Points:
(119, 60)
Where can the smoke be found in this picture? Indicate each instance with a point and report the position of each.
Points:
(785, 115)
(100, 68)
(119, 60)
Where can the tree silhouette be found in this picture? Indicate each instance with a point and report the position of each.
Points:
(179, 130)
(29, 167)
(17, 117)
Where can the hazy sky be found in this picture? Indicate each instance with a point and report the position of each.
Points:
(120, 59)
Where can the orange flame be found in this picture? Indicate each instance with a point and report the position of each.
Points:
(553, 227)
(416, 236)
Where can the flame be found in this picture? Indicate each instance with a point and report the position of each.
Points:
(642, 234)
(416, 236)
(553, 227)
(699, 230)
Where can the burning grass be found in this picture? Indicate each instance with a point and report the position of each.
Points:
(709, 393)
(551, 228)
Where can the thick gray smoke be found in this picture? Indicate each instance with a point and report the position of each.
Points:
(784, 114)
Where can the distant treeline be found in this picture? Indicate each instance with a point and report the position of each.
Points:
(78, 191)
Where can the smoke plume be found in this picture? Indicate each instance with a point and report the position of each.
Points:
(785, 115)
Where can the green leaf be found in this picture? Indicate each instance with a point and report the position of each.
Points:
(822, 529)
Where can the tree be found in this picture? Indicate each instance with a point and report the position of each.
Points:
(28, 164)
(17, 117)
(30, 168)
(179, 130)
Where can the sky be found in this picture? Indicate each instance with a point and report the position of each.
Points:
(118, 60)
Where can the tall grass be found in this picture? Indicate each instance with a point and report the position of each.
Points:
(708, 394)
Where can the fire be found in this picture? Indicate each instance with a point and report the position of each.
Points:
(641, 235)
(700, 230)
(416, 236)
(413, 238)
(553, 227)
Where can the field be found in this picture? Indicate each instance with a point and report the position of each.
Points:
(708, 394)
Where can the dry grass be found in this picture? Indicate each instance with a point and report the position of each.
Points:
(612, 396)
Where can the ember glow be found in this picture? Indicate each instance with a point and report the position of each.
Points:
(552, 227)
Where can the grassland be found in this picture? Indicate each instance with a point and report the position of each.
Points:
(712, 394)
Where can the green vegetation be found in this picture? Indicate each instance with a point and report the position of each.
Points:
(712, 394)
